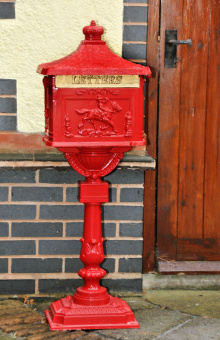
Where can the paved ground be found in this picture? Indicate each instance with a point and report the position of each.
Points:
(162, 314)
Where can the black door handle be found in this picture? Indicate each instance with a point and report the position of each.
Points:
(181, 42)
(171, 42)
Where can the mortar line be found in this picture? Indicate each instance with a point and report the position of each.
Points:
(37, 212)
(9, 228)
(37, 174)
(117, 230)
(69, 238)
(39, 185)
(135, 4)
(139, 186)
(37, 286)
(63, 265)
(131, 204)
(64, 193)
(74, 256)
(135, 23)
(116, 265)
(9, 114)
(118, 194)
(64, 229)
(9, 193)
(135, 42)
(72, 220)
(37, 247)
(9, 265)
(63, 276)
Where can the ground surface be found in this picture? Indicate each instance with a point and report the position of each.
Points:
(162, 314)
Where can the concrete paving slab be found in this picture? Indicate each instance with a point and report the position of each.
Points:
(138, 303)
(152, 322)
(196, 329)
(205, 303)
(165, 315)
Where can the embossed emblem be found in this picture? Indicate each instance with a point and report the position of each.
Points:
(100, 118)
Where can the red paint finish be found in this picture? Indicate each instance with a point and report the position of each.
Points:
(93, 116)
(93, 127)
(93, 57)
(91, 307)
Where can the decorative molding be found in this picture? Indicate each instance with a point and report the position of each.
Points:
(97, 91)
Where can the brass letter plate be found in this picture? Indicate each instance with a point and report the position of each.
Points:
(97, 81)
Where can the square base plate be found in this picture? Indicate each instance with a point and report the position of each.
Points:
(64, 314)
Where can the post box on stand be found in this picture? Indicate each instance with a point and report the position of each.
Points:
(93, 114)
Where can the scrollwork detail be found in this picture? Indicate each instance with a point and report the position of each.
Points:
(70, 156)
(97, 91)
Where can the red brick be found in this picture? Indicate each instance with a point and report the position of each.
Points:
(15, 141)
(12, 311)
(25, 329)
(47, 335)
(71, 335)
(25, 317)
(10, 304)
(92, 336)
(31, 329)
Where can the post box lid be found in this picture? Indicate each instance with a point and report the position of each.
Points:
(93, 56)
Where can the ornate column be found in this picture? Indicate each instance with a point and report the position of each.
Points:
(91, 307)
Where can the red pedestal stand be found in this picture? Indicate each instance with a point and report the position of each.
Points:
(91, 307)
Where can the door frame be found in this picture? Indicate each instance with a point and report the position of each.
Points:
(151, 121)
(151, 259)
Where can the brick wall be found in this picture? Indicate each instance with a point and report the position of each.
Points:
(135, 30)
(7, 9)
(8, 103)
(42, 222)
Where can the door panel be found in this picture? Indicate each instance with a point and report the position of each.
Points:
(212, 148)
(188, 156)
(192, 113)
(168, 137)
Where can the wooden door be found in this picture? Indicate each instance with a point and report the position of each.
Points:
(183, 114)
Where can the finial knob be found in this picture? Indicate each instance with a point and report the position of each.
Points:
(93, 32)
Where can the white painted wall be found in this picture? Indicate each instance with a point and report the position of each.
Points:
(43, 31)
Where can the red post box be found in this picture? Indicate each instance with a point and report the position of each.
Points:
(93, 114)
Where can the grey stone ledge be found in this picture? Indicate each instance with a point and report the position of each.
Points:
(129, 159)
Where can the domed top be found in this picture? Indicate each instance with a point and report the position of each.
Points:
(93, 57)
(93, 33)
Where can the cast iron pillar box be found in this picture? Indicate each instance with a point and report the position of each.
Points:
(93, 114)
